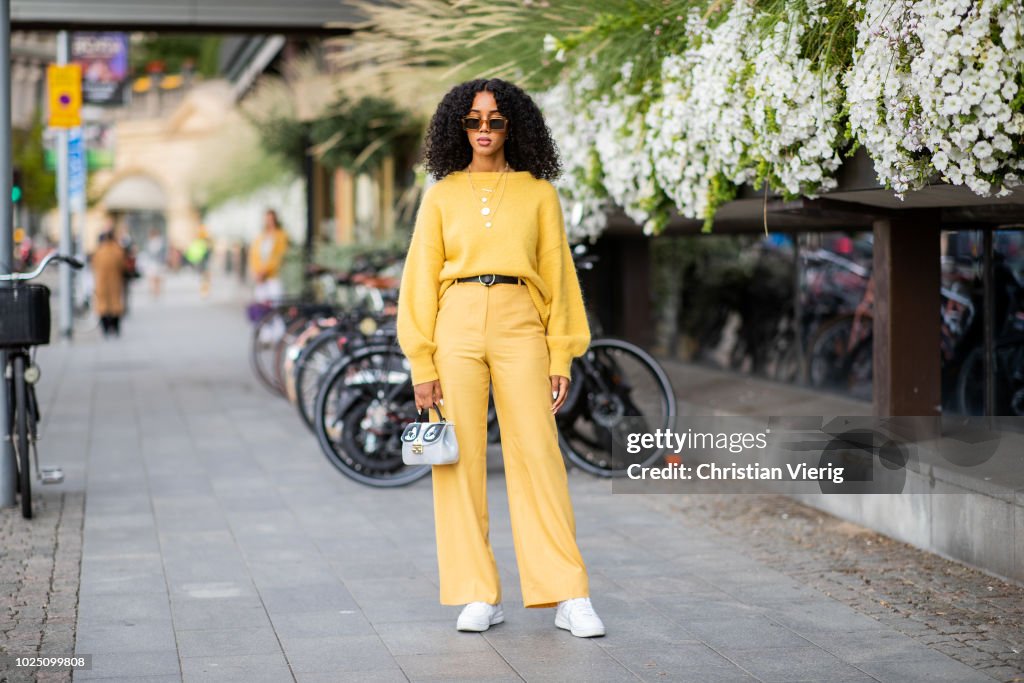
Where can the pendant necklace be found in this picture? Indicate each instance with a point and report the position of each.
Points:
(488, 212)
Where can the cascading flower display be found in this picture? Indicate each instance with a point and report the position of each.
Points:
(581, 187)
(929, 88)
(936, 87)
(625, 158)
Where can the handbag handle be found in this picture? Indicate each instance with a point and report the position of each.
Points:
(424, 415)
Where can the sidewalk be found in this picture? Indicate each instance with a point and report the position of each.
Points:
(220, 545)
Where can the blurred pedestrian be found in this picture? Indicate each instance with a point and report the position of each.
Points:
(198, 254)
(154, 261)
(265, 257)
(108, 269)
(490, 298)
(131, 268)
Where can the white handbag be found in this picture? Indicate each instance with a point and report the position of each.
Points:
(429, 443)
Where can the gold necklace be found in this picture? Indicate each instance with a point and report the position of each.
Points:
(487, 212)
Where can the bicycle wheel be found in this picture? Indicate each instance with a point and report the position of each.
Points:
(970, 389)
(22, 415)
(364, 403)
(619, 388)
(827, 353)
(291, 334)
(859, 369)
(310, 369)
(268, 332)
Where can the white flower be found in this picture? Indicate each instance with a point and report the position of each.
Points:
(983, 150)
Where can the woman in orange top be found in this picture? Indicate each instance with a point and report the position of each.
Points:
(490, 295)
(265, 257)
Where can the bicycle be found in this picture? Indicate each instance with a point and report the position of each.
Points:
(25, 312)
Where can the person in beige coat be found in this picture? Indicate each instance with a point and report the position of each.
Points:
(108, 264)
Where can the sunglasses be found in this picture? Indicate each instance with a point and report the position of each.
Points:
(496, 123)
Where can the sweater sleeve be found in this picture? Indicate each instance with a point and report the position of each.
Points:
(568, 332)
(418, 294)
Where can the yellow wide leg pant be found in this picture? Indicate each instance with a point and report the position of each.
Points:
(488, 335)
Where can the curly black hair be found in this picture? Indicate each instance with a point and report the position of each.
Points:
(528, 147)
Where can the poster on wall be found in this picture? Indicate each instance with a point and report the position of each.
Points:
(103, 56)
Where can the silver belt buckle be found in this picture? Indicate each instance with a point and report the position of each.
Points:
(493, 277)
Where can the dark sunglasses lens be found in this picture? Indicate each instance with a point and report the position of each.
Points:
(471, 123)
(497, 124)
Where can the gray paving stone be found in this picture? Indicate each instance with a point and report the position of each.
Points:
(121, 585)
(683, 663)
(309, 598)
(816, 615)
(266, 668)
(792, 664)
(744, 633)
(126, 636)
(485, 665)
(394, 675)
(337, 654)
(938, 669)
(139, 606)
(345, 622)
(130, 665)
(216, 613)
(871, 646)
(429, 637)
(564, 657)
(291, 574)
(414, 609)
(391, 588)
(217, 642)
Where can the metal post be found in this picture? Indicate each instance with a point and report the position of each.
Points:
(989, 321)
(798, 310)
(309, 170)
(64, 207)
(8, 469)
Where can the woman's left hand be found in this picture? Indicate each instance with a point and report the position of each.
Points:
(559, 390)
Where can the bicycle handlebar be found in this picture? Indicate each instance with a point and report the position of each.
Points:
(52, 256)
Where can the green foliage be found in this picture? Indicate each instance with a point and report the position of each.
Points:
(285, 138)
(39, 185)
(175, 51)
(356, 135)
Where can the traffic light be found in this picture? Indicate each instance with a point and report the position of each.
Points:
(16, 186)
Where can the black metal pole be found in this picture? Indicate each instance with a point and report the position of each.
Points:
(989, 321)
(8, 468)
(309, 170)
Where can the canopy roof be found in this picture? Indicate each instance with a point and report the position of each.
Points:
(275, 16)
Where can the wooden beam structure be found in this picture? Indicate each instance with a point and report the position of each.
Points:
(907, 281)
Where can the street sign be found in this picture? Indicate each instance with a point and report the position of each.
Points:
(65, 88)
(76, 169)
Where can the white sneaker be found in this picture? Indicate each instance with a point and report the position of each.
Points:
(480, 616)
(579, 618)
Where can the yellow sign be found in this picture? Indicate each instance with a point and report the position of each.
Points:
(65, 86)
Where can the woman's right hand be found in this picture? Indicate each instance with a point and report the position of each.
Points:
(427, 394)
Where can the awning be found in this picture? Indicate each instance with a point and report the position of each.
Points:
(135, 193)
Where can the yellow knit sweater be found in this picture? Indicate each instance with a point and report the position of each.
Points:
(527, 239)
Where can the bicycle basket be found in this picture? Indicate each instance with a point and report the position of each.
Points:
(24, 315)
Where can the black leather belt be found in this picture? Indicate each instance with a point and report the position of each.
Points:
(492, 279)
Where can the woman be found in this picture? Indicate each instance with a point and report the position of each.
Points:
(265, 257)
(490, 294)
(108, 266)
